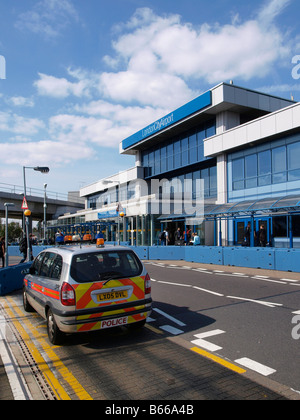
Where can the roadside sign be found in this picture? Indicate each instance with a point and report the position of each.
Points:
(24, 204)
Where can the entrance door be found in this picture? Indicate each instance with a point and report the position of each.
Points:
(266, 223)
(240, 228)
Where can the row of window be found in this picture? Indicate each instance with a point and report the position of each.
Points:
(273, 166)
(175, 154)
(208, 175)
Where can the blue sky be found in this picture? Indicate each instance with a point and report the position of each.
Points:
(77, 77)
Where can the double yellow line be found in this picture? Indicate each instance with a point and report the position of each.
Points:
(53, 382)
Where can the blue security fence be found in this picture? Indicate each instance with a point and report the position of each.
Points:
(264, 258)
(11, 278)
(280, 259)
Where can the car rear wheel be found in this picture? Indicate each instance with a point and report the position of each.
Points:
(54, 334)
(26, 304)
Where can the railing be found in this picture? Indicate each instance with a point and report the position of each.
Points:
(36, 192)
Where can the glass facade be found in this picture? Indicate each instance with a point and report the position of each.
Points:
(273, 163)
(178, 153)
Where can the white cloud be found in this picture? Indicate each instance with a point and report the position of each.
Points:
(60, 87)
(166, 48)
(38, 153)
(48, 17)
(19, 125)
(21, 101)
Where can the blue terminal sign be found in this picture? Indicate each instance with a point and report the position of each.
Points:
(186, 110)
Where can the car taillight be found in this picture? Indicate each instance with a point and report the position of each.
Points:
(67, 295)
(147, 285)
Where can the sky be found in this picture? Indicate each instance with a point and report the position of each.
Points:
(79, 76)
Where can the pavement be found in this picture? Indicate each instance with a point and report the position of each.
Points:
(213, 380)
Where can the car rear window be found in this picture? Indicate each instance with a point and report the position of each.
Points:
(105, 265)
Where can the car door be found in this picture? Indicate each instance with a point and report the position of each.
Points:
(43, 284)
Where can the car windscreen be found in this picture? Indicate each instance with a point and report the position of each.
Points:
(105, 266)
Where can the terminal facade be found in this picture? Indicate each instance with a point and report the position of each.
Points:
(228, 159)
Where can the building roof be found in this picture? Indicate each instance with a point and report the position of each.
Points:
(223, 97)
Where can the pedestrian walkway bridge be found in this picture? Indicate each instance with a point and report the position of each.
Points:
(57, 204)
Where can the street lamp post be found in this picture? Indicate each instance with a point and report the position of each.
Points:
(6, 205)
(43, 170)
(45, 212)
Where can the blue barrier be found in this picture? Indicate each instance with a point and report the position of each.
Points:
(141, 251)
(287, 260)
(171, 253)
(249, 257)
(204, 254)
(11, 278)
(14, 251)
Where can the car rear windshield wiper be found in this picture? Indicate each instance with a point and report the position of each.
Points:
(110, 275)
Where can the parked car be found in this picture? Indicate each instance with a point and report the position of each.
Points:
(87, 288)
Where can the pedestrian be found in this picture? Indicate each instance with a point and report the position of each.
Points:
(2, 250)
(247, 235)
(23, 247)
(262, 236)
(196, 239)
(59, 237)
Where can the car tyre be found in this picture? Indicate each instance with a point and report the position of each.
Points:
(26, 304)
(54, 334)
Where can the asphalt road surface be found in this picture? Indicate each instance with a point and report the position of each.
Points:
(214, 333)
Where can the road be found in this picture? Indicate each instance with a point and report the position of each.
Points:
(239, 316)
(213, 334)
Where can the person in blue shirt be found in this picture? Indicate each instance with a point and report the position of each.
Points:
(196, 239)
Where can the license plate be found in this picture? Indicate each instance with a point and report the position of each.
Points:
(105, 297)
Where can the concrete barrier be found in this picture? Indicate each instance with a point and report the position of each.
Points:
(204, 254)
(249, 257)
(287, 260)
(11, 278)
(171, 253)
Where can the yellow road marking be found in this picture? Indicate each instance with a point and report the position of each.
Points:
(62, 369)
(153, 329)
(219, 360)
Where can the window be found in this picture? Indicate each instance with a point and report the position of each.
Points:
(201, 136)
(251, 171)
(273, 166)
(238, 174)
(163, 157)
(185, 151)
(213, 181)
(35, 268)
(193, 155)
(56, 267)
(264, 168)
(293, 151)
(177, 154)
(104, 266)
(47, 267)
(170, 154)
(279, 165)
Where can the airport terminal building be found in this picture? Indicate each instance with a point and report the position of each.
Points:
(226, 159)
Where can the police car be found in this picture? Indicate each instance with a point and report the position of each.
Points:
(87, 288)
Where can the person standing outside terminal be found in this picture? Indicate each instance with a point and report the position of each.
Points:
(247, 234)
(2, 250)
(262, 236)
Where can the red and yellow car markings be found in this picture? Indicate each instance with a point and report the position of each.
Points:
(54, 294)
(84, 300)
